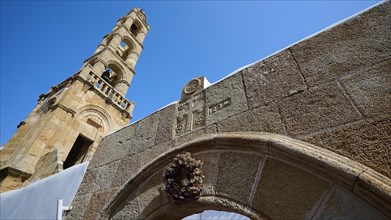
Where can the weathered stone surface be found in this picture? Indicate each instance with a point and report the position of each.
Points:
(127, 141)
(317, 108)
(371, 89)
(361, 41)
(263, 119)
(98, 179)
(112, 147)
(165, 130)
(375, 188)
(129, 209)
(79, 205)
(149, 155)
(237, 173)
(97, 202)
(151, 194)
(85, 185)
(367, 142)
(127, 168)
(146, 131)
(231, 89)
(195, 134)
(47, 165)
(272, 79)
(345, 205)
(287, 192)
(209, 167)
(144, 137)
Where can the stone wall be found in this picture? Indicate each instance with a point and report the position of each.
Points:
(331, 91)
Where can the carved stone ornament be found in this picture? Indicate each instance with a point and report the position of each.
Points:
(183, 178)
(192, 86)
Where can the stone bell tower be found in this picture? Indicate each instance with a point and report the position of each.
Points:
(69, 121)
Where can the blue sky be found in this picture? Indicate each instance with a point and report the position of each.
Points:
(44, 42)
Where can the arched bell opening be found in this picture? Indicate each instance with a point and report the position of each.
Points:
(125, 47)
(112, 75)
(135, 28)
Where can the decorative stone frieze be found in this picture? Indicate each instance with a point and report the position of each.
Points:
(183, 178)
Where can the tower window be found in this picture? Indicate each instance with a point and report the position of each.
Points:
(109, 76)
(112, 75)
(78, 153)
(134, 29)
(124, 48)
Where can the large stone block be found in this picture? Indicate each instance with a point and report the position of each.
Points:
(237, 173)
(165, 130)
(154, 152)
(343, 204)
(370, 88)
(79, 206)
(209, 167)
(130, 140)
(112, 147)
(287, 192)
(127, 168)
(272, 79)
(367, 142)
(263, 119)
(86, 184)
(362, 41)
(151, 194)
(98, 179)
(145, 134)
(47, 165)
(129, 209)
(316, 109)
(225, 99)
(97, 202)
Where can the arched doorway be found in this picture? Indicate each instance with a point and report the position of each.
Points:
(261, 176)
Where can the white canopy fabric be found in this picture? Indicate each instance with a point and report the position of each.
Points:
(39, 199)
(216, 215)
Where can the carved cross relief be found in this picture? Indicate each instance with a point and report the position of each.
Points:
(191, 114)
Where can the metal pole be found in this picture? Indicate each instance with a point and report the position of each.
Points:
(59, 209)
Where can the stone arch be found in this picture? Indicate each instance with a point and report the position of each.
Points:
(117, 66)
(115, 72)
(130, 43)
(108, 38)
(96, 114)
(126, 49)
(136, 27)
(319, 174)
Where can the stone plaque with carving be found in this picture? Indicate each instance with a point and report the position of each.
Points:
(191, 114)
(221, 105)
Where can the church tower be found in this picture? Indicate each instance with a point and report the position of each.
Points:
(67, 124)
